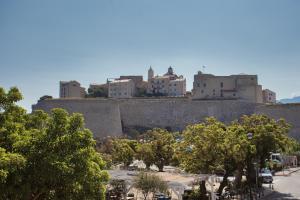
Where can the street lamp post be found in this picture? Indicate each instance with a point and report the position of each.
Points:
(249, 136)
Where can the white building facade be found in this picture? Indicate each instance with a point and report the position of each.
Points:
(121, 88)
(167, 85)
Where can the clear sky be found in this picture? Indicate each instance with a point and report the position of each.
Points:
(45, 41)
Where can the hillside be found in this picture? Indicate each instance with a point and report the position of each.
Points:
(292, 100)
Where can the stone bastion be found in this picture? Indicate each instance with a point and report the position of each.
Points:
(112, 117)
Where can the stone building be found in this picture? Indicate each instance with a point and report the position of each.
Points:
(138, 80)
(269, 96)
(121, 88)
(243, 87)
(167, 85)
(71, 89)
(140, 85)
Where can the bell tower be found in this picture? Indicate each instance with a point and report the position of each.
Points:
(150, 73)
(170, 71)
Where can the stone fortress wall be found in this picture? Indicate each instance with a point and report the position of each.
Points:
(102, 117)
(290, 112)
(109, 117)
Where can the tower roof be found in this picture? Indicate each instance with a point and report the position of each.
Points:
(170, 71)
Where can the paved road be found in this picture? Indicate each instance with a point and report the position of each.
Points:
(286, 187)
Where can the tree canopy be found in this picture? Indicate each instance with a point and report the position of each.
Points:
(159, 148)
(150, 183)
(212, 146)
(123, 151)
(46, 156)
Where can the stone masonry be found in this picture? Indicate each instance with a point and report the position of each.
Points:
(109, 117)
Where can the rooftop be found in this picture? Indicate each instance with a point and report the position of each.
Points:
(121, 81)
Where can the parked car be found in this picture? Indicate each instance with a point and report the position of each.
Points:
(161, 196)
(266, 176)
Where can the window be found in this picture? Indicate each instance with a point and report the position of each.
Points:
(222, 84)
(175, 84)
(252, 79)
(204, 85)
(233, 94)
(202, 91)
(198, 84)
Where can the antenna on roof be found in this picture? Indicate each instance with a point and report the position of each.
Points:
(203, 68)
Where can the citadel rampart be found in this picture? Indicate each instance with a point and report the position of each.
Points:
(290, 112)
(102, 117)
(110, 117)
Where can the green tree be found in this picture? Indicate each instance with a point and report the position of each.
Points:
(47, 156)
(212, 146)
(123, 151)
(146, 154)
(98, 92)
(118, 189)
(267, 135)
(161, 142)
(202, 149)
(150, 183)
(11, 127)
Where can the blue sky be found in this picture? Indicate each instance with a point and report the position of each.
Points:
(45, 41)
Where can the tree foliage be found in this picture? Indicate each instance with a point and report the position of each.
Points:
(146, 154)
(150, 183)
(158, 147)
(202, 148)
(123, 151)
(46, 156)
(98, 92)
(118, 189)
(213, 146)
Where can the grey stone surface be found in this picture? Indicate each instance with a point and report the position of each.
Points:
(289, 112)
(178, 113)
(108, 117)
(102, 117)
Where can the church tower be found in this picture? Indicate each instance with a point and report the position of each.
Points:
(150, 73)
(170, 71)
